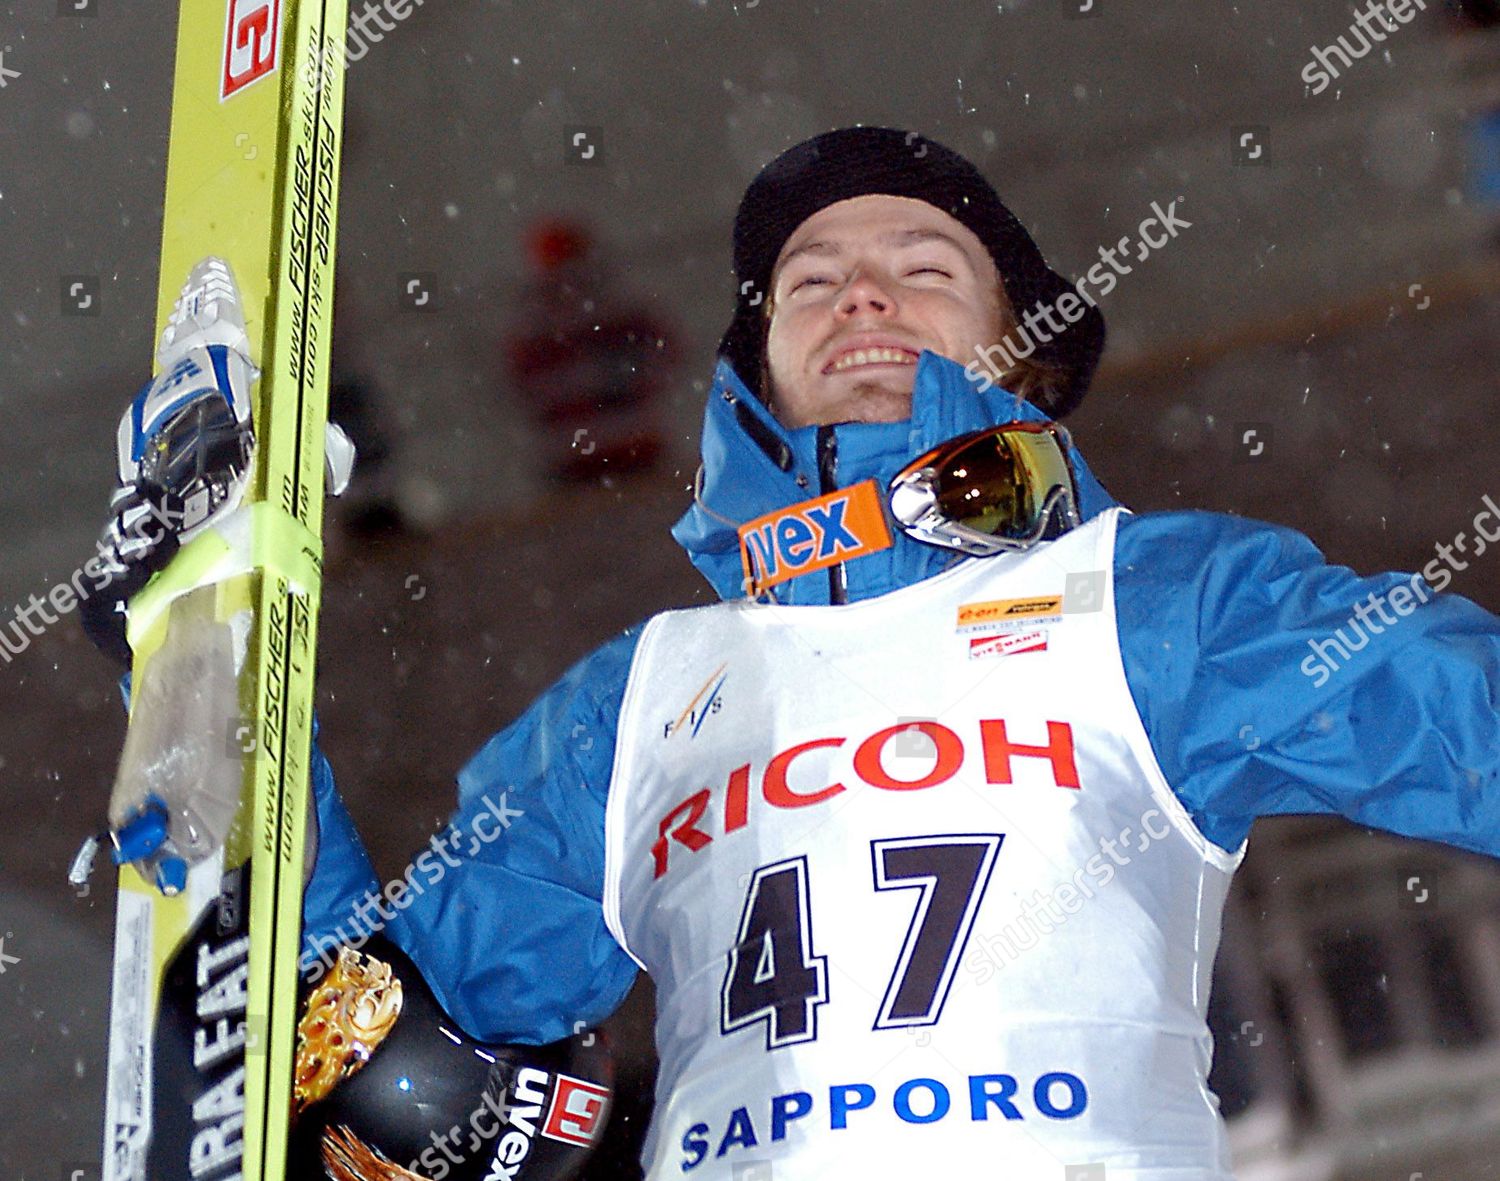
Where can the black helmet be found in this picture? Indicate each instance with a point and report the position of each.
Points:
(429, 1102)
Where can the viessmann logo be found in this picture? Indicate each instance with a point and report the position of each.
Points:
(252, 44)
(812, 536)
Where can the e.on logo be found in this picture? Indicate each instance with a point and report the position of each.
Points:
(577, 1112)
(252, 43)
(812, 536)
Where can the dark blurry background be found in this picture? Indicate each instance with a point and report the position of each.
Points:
(1319, 349)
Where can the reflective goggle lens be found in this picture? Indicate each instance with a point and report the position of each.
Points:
(997, 482)
(998, 490)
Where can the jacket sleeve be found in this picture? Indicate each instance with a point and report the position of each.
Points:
(502, 909)
(1272, 683)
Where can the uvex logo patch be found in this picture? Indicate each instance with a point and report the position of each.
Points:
(252, 39)
(812, 536)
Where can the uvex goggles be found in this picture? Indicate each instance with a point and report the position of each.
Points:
(997, 490)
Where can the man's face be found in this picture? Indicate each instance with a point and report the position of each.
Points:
(859, 289)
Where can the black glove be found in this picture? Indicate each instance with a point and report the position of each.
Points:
(138, 541)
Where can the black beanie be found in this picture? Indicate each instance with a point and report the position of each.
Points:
(856, 161)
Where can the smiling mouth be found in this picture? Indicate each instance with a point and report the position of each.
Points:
(867, 357)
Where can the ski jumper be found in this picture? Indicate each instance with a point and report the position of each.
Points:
(934, 876)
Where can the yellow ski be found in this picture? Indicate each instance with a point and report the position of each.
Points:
(203, 1010)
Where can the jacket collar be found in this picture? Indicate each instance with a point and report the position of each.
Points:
(752, 466)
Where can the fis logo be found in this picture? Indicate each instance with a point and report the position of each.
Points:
(705, 702)
(812, 536)
(252, 43)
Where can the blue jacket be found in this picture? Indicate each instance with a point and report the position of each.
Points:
(1220, 621)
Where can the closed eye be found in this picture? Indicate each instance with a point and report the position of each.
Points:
(931, 271)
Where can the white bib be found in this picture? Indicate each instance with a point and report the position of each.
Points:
(915, 895)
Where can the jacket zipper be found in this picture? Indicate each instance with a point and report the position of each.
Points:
(827, 454)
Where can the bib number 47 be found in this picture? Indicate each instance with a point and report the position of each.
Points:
(774, 977)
